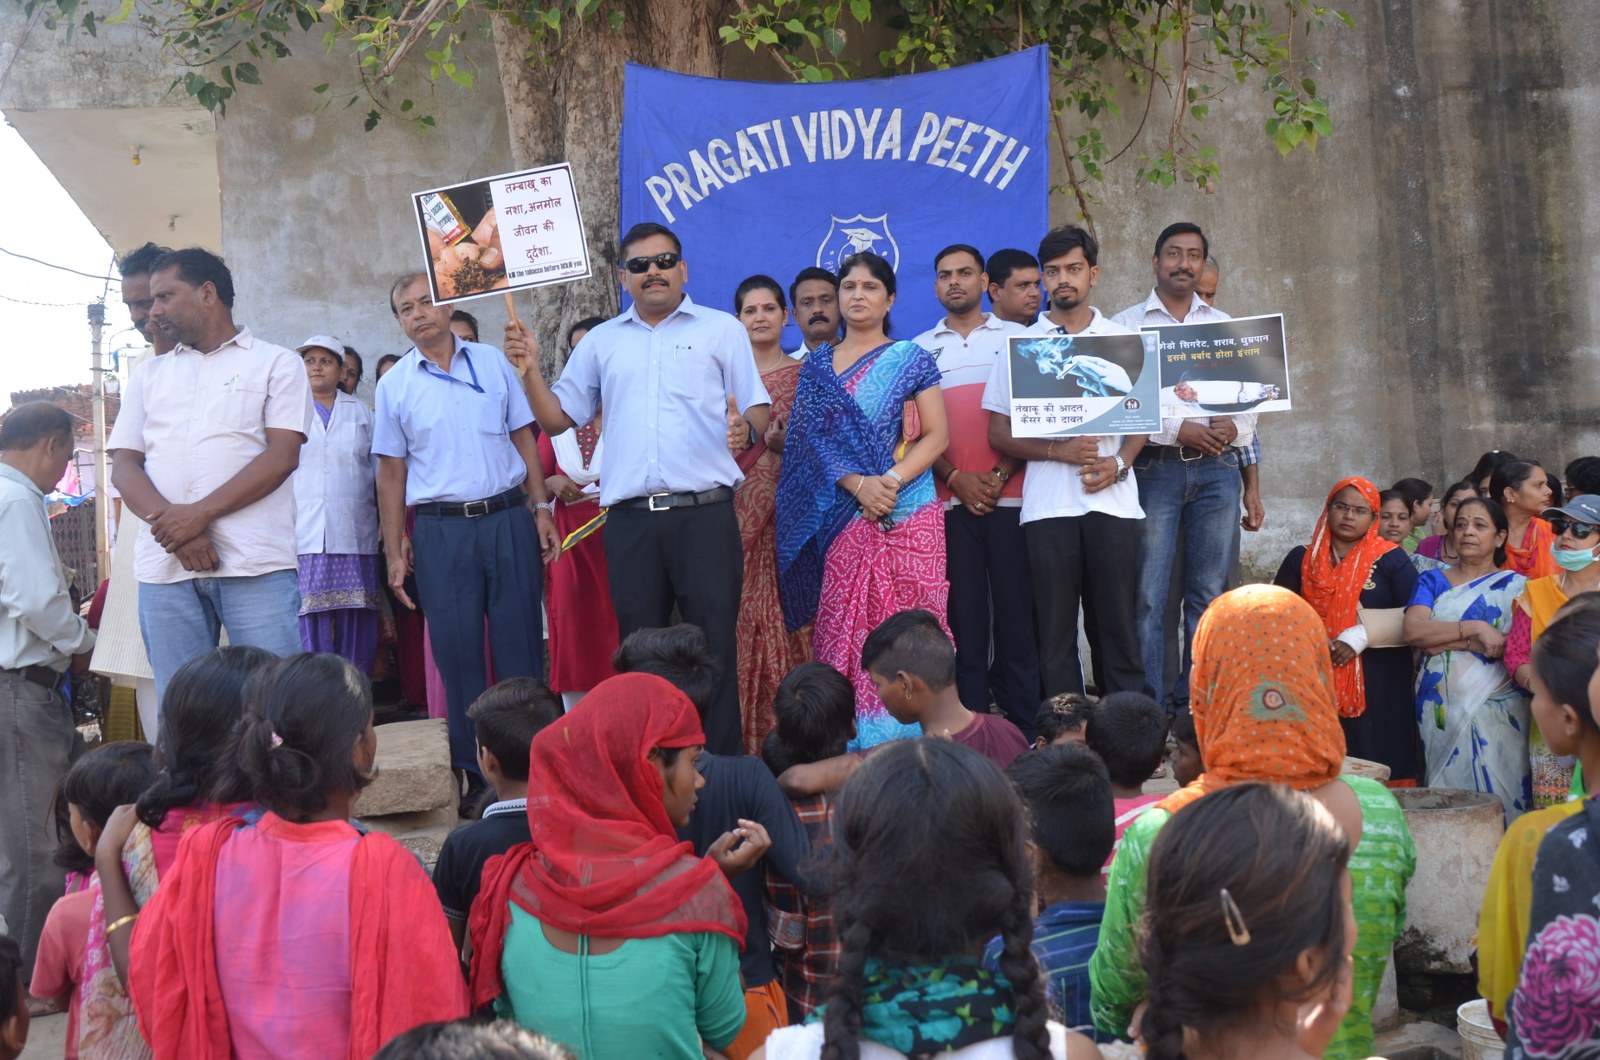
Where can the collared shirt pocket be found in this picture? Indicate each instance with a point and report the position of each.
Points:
(239, 405)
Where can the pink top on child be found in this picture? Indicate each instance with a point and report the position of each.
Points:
(58, 969)
(1127, 811)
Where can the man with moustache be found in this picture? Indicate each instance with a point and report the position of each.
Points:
(665, 369)
(814, 301)
(203, 448)
(119, 651)
(455, 436)
(991, 598)
(1080, 506)
(1013, 285)
(1190, 475)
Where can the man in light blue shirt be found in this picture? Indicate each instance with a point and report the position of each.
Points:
(665, 370)
(455, 435)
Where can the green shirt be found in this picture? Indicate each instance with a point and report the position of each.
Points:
(647, 999)
(1380, 867)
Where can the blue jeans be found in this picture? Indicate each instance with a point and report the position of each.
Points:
(184, 619)
(1203, 496)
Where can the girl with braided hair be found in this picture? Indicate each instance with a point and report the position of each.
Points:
(929, 861)
(1249, 929)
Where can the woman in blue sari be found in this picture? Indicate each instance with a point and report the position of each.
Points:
(1472, 717)
(860, 531)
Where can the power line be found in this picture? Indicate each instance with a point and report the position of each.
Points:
(45, 305)
(63, 268)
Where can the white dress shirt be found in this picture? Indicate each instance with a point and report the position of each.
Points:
(335, 486)
(199, 418)
(38, 625)
(1052, 489)
(1152, 312)
(665, 390)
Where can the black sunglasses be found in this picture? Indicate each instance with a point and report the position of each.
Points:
(1581, 531)
(666, 261)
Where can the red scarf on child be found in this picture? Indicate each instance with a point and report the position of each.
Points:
(604, 859)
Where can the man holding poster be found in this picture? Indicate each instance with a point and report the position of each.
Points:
(1189, 475)
(1080, 506)
(664, 370)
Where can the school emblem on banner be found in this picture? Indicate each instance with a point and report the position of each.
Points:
(857, 235)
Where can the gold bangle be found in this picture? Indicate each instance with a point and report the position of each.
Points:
(120, 923)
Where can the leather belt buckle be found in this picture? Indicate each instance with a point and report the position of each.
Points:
(650, 502)
(475, 509)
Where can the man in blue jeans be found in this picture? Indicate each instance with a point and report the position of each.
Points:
(1190, 476)
(202, 451)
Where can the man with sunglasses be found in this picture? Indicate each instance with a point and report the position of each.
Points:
(665, 370)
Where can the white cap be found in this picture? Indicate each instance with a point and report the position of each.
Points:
(327, 342)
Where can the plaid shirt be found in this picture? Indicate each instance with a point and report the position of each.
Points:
(805, 949)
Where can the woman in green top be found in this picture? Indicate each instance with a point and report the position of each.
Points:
(604, 932)
(1263, 704)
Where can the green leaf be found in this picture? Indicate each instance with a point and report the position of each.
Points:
(1199, 111)
(405, 105)
(861, 10)
(247, 73)
(834, 40)
(1309, 86)
(320, 89)
(373, 117)
(1322, 125)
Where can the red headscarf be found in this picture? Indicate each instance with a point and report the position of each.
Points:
(1334, 590)
(605, 859)
(1531, 557)
(1262, 695)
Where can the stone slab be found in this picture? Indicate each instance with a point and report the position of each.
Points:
(1420, 1041)
(413, 770)
(421, 833)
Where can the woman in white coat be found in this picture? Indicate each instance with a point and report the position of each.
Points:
(336, 516)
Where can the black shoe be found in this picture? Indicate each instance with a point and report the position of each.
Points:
(473, 799)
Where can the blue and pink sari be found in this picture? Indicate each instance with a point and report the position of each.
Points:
(836, 567)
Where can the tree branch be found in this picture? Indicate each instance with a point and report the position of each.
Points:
(413, 35)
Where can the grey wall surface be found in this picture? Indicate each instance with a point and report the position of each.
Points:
(1435, 261)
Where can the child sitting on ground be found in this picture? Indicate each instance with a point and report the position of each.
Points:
(913, 666)
(97, 783)
(815, 718)
(1068, 796)
(1128, 730)
(298, 935)
(506, 716)
(1186, 763)
(1063, 719)
(475, 1039)
(13, 1001)
(1248, 928)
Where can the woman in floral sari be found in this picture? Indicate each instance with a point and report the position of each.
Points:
(767, 651)
(203, 701)
(1473, 719)
(860, 530)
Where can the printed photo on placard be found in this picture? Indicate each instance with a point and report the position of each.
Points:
(1063, 385)
(1223, 368)
(503, 233)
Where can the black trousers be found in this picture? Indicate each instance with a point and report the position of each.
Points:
(992, 613)
(690, 559)
(1092, 559)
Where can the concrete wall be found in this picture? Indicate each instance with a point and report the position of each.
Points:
(1435, 261)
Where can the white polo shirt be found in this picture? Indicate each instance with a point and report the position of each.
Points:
(1052, 489)
(199, 418)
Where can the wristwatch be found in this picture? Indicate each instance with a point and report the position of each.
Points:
(548, 507)
(1122, 468)
(1002, 474)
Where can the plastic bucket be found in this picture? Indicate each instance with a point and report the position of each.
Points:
(1478, 1038)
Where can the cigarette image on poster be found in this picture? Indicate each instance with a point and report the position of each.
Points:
(1221, 368)
(1064, 385)
(502, 233)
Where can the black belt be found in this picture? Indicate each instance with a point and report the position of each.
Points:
(1186, 453)
(39, 675)
(511, 498)
(660, 502)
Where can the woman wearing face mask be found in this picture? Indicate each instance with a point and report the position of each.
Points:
(1577, 530)
(1473, 719)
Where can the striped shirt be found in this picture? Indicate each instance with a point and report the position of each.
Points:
(1064, 937)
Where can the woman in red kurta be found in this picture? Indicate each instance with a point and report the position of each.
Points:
(581, 620)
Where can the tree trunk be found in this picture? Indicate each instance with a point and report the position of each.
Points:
(564, 103)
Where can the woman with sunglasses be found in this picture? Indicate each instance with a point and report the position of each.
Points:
(1359, 581)
(860, 530)
(1577, 542)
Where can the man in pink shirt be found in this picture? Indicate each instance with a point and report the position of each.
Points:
(202, 451)
(986, 556)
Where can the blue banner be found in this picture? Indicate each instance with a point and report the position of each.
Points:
(757, 177)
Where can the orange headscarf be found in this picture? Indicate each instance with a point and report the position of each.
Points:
(1334, 590)
(1532, 558)
(1262, 695)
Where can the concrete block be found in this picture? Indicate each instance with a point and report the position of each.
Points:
(1361, 767)
(413, 771)
(1420, 1041)
(421, 833)
(1456, 834)
(1386, 1008)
